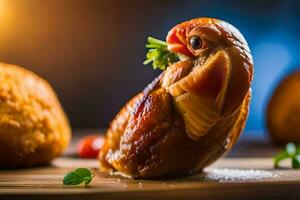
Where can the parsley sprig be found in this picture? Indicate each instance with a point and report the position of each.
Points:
(159, 54)
(78, 176)
(291, 152)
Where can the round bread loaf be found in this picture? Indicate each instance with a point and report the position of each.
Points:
(33, 126)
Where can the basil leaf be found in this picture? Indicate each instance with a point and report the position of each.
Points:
(78, 176)
(83, 172)
(72, 178)
(88, 180)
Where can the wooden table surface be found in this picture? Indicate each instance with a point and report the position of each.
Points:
(246, 173)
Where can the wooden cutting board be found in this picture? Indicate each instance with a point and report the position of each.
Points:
(228, 178)
(246, 173)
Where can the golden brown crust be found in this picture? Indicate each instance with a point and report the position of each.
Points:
(283, 111)
(33, 126)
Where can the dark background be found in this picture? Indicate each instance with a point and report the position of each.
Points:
(91, 51)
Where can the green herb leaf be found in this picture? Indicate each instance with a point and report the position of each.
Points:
(88, 180)
(291, 152)
(295, 163)
(159, 54)
(281, 156)
(78, 176)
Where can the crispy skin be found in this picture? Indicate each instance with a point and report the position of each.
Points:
(188, 116)
(33, 126)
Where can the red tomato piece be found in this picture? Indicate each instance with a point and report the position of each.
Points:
(89, 146)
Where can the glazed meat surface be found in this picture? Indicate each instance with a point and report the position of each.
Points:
(192, 113)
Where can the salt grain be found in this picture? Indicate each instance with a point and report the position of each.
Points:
(239, 175)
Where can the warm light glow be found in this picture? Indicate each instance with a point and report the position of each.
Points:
(3, 14)
(6, 20)
(2, 10)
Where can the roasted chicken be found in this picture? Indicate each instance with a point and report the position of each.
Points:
(192, 113)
